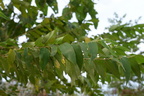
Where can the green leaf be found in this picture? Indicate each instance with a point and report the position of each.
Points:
(2, 15)
(50, 83)
(93, 13)
(6, 66)
(106, 46)
(68, 38)
(53, 4)
(139, 58)
(42, 5)
(23, 77)
(50, 37)
(120, 50)
(28, 44)
(39, 42)
(27, 58)
(44, 57)
(112, 67)
(59, 68)
(101, 70)
(60, 58)
(45, 9)
(89, 66)
(79, 56)
(68, 51)
(59, 40)
(106, 51)
(84, 48)
(11, 56)
(67, 13)
(32, 79)
(135, 66)
(95, 22)
(73, 71)
(113, 27)
(93, 49)
(53, 50)
(80, 13)
(2, 4)
(127, 68)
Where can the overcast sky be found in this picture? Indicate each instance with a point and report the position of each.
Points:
(106, 8)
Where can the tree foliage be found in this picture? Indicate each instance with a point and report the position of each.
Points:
(58, 46)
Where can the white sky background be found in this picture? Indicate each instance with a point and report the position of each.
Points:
(106, 8)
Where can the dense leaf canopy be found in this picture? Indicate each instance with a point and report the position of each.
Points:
(58, 46)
